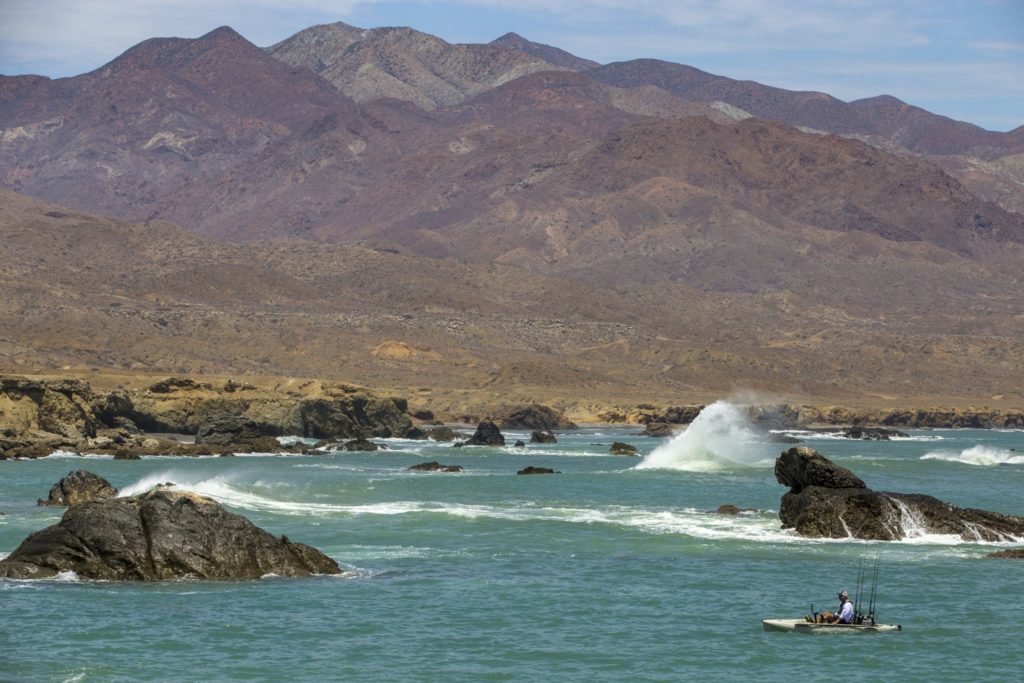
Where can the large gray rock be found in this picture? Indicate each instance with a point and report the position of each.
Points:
(77, 487)
(801, 467)
(826, 500)
(228, 429)
(542, 436)
(486, 434)
(535, 416)
(161, 534)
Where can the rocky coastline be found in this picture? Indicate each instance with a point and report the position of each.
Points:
(826, 500)
(162, 534)
(40, 416)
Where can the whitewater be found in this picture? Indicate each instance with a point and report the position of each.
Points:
(617, 568)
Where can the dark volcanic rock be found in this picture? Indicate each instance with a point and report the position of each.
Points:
(619, 448)
(519, 444)
(77, 487)
(487, 434)
(361, 445)
(536, 470)
(659, 429)
(443, 434)
(1012, 553)
(536, 417)
(729, 509)
(539, 436)
(161, 534)
(799, 468)
(435, 467)
(872, 433)
(415, 433)
(826, 500)
(782, 438)
(228, 429)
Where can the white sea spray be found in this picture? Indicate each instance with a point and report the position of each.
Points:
(980, 455)
(720, 437)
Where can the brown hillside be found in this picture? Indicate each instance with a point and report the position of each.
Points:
(926, 325)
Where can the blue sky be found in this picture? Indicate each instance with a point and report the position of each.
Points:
(958, 58)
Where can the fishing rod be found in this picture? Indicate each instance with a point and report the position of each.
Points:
(874, 588)
(857, 616)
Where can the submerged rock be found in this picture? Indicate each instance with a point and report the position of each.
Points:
(77, 487)
(443, 434)
(487, 434)
(619, 448)
(161, 534)
(536, 470)
(361, 445)
(872, 433)
(435, 467)
(729, 509)
(826, 500)
(542, 436)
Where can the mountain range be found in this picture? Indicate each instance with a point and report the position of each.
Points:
(503, 219)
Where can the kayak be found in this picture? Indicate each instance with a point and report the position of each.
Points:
(804, 626)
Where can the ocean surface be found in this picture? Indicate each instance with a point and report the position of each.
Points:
(615, 569)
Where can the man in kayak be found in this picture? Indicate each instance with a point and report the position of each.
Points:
(843, 616)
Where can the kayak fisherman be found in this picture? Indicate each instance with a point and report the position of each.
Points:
(844, 615)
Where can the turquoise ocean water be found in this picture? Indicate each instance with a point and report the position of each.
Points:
(612, 570)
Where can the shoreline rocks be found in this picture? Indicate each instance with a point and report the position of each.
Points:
(487, 434)
(77, 487)
(435, 466)
(535, 417)
(38, 417)
(537, 470)
(619, 448)
(542, 436)
(158, 535)
(826, 500)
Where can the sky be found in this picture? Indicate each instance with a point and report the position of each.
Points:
(959, 58)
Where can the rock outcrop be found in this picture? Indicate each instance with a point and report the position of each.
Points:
(873, 433)
(361, 445)
(59, 407)
(542, 436)
(443, 433)
(228, 429)
(826, 500)
(486, 434)
(659, 429)
(537, 417)
(536, 470)
(77, 487)
(434, 466)
(40, 416)
(619, 448)
(161, 534)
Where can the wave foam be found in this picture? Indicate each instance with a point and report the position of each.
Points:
(985, 456)
(720, 437)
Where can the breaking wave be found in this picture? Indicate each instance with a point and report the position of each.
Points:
(720, 437)
(985, 456)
